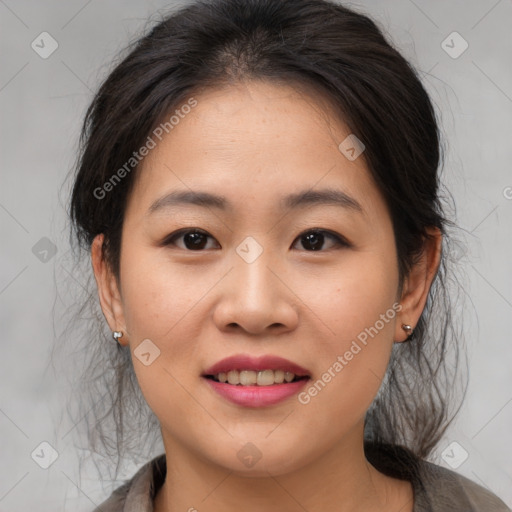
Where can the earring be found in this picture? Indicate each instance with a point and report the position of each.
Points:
(409, 330)
(116, 335)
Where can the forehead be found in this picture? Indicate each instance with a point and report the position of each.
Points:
(253, 141)
(260, 115)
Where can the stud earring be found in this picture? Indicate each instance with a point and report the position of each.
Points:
(116, 335)
(409, 330)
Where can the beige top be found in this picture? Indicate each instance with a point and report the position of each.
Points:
(436, 489)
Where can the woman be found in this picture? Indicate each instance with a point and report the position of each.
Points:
(258, 189)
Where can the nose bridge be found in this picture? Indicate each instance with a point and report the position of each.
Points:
(253, 297)
(252, 276)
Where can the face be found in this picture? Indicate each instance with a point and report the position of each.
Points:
(292, 267)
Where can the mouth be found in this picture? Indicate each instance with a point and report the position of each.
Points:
(256, 382)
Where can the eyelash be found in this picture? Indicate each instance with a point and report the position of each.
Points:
(339, 240)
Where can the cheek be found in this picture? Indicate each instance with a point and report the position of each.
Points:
(166, 307)
(154, 298)
(161, 306)
(353, 295)
(358, 310)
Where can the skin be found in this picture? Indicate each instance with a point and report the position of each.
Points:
(254, 143)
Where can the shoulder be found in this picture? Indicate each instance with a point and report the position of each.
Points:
(443, 489)
(436, 489)
(136, 494)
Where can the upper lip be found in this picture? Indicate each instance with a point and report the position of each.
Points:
(246, 362)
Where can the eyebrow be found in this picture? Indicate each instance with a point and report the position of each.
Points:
(302, 199)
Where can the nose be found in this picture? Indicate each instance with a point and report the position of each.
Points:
(256, 298)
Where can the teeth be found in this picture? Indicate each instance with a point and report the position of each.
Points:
(234, 377)
(288, 376)
(248, 378)
(266, 378)
(278, 376)
(252, 378)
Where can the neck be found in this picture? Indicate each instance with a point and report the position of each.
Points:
(340, 479)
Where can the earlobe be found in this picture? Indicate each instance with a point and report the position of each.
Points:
(418, 282)
(108, 291)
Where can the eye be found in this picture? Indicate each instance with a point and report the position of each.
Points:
(314, 239)
(196, 239)
(193, 239)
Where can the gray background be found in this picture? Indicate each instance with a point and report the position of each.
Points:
(42, 103)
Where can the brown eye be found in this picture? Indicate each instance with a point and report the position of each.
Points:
(193, 239)
(314, 240)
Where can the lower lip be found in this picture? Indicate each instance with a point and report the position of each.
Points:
(257, 396)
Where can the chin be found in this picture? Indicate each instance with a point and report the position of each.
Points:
(261, 457)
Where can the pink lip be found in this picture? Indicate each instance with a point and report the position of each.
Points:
(246, 362)
(256, 396)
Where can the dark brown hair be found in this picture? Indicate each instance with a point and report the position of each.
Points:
(343, 55)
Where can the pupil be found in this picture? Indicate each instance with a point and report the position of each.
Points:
(197, 240)
(315, 240)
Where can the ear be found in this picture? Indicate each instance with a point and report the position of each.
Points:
(417, 284)
(108, 291)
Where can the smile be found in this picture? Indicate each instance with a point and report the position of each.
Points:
(256, 382)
